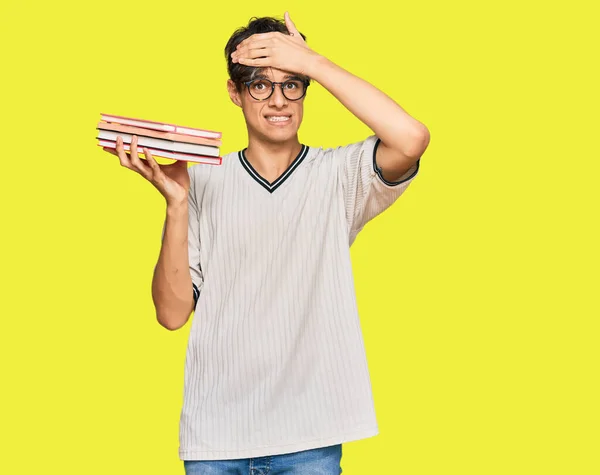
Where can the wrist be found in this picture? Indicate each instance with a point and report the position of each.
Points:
(316, 66)
(177, 206)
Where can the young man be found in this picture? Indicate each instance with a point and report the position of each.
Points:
(276, 377)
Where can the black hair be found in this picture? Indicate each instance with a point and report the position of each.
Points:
(240, 73)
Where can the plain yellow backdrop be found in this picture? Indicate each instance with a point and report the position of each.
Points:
(477, 290)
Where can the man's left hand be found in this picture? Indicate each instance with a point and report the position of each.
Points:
(277, 50)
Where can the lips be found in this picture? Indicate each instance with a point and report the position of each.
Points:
(278, 118)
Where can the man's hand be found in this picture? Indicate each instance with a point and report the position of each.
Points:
(172, 181)
(277, 50)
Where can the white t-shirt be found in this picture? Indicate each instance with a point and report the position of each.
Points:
(275, 361)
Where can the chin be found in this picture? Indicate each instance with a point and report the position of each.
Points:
(280, 136)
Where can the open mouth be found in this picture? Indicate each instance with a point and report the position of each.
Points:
(278, 119)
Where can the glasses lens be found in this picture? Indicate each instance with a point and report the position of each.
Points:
(260, 89)
(293, 89)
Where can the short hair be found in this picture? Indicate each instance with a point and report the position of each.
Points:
(240, 73)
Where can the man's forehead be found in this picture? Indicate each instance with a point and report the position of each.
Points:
(273, 73)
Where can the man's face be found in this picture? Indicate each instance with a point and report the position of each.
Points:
(276, 119)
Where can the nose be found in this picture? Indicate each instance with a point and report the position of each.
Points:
(277, 99)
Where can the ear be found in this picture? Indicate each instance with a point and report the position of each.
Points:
(234, 95)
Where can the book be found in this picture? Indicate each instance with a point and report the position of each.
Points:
(166, 154)
(139, 131)
(161, 144)
(149, 124)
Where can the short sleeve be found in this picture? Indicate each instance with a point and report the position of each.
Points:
(193, 239)
(366, 192)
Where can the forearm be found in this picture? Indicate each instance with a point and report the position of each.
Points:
(172, 282)
(392, 124)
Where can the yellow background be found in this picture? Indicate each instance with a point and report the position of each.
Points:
(478, 289)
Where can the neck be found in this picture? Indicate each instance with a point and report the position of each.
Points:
(272, 158)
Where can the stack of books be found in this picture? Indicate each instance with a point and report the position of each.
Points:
(162, 140)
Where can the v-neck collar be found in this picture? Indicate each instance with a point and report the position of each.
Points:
(271, 187)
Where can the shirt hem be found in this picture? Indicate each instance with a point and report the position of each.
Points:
(198, 454)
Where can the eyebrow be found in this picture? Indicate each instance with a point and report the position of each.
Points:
(287, 76)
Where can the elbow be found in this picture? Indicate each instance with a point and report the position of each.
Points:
(426, 138)
(169, 325)
(419, 144)
(172, 313)
(409, 146)
(171, 322)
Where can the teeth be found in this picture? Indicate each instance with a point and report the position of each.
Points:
(277, 118)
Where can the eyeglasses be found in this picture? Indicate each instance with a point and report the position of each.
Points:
(262, 89)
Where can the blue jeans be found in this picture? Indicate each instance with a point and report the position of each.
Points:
(321, 461)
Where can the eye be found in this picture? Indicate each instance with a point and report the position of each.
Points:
(293, 84)
(259, 85)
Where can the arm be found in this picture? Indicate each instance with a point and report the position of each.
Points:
(403, 138)
(172, 283)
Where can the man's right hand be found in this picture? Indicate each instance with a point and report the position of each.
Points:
(171, 180)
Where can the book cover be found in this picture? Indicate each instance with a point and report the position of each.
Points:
(164, 126)
(160, 144)
(166, 154)
(175, 137)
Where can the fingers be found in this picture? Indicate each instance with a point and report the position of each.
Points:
(253, 43)
(164, 176)
(259, 40)
(142, 169)
(265, 38)
(133, 149)
(256, 62)
(154, 166)
(170, 180)
(158, 173)
(255, 53)
(254, 47)
(131, 160)
(258, 50)
(290, 26)
(258, 37)
(244, 51)
(123, 158)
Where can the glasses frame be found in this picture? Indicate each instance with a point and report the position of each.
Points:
(273, 84)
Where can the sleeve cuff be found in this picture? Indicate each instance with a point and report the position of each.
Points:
(407, 176)
(196, 293)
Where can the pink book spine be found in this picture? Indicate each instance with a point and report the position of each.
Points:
(162, 126)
